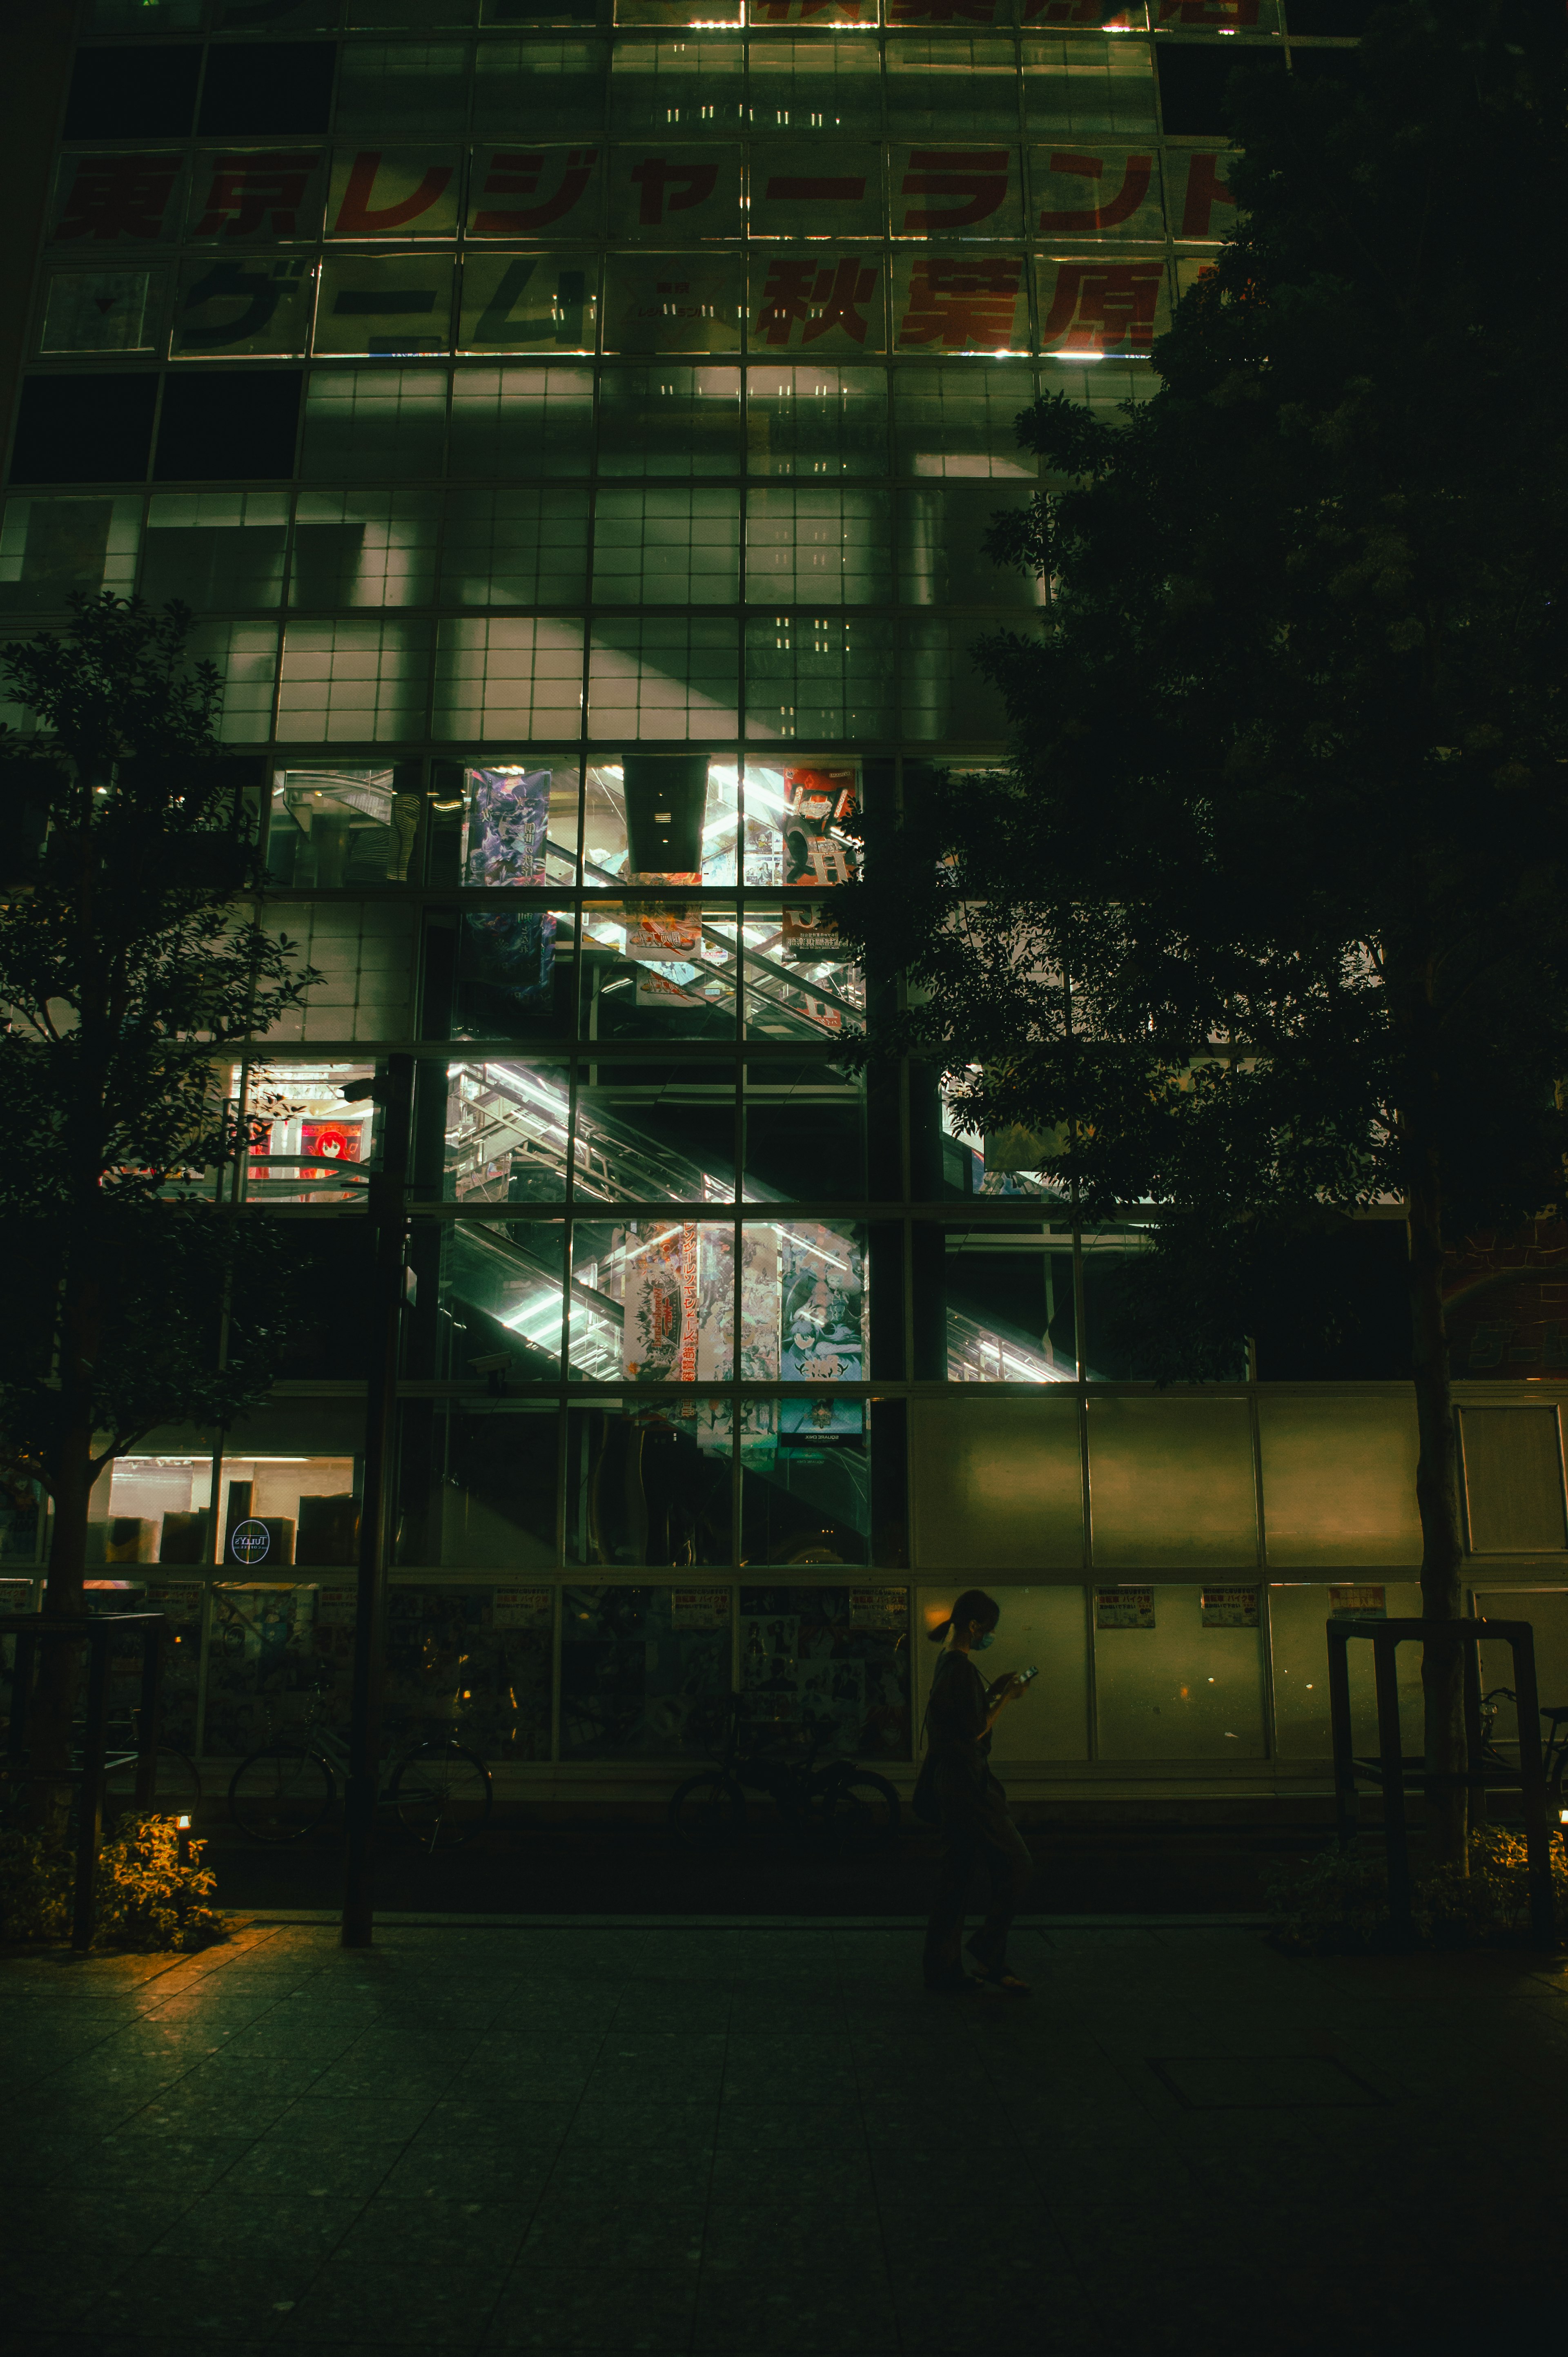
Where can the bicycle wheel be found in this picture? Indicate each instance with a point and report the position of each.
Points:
(857, 1811)
(177, 1786)
(708, 1812)
(281, 1793)
(442, 1794)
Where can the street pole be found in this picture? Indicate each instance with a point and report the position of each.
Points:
(388, 1185)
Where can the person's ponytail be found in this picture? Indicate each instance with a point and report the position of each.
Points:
(973, 1605)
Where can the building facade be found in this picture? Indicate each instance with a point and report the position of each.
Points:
(576, 430)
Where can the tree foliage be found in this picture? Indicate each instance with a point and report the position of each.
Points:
(127, 966)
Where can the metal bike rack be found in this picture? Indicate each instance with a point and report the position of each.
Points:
(32, 1629)
(1396, 1775)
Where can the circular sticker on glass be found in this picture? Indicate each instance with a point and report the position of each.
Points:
(249, 1542)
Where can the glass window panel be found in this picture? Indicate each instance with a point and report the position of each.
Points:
(663, 193)
(515, 547)
(410, 16)
(1112, 1351)
(1201, 204)
(673, 676)
(1298, 1621)
(677, 817)
(805, 1133)
(956, 192)
(522, 421)
(651, 1131)
(102, 311)
(797, 983)
(1089, 88)
(672, 303)
(259, 1656)
(1009, 1306)
(1338, 1472)
(960, 421)
(629, 994)
(506, 1143)
(329, 828)
(806, 295)
(397, 305)
(261, 196)
(1171, 1481)
(1043, 1627)
(51, 548)
(365, 956)
(539, 12)
(670, 421)
(1116, 308)
(796, 819)
(801, 84)
(942, 558)
(805, 1490)
(817, 674)
(477, 1486)
(516, 976)
(344, 681)
(474, 1664)
(666, 546)
(677, 86)
(860, 13)
(473, 841)
(1104, 386)
(539, 90)
(144, 17)
(247, 306)
(831, 1666)
(942, 86)
(360, 422)
(277, 16)
(945, 694)
(279, 1511)
(363, 548)
(215, 549)
(508, 678)
(644, 1670)
(101, 199)
(1101, 192)
(677, 12)
(1112, 16)
(808, 187)
(501, 1283)
(388, 88)
(157, 1511)
(802, 546)
(1179, 1690)
(314, 1138)
(814, 420)
(519, 192)
(245, 655)
(394, 192)
(971, 302)
(530, 303)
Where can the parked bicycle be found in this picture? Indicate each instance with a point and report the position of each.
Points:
(848, 1806)
(1554, 1751)
(440, 1790)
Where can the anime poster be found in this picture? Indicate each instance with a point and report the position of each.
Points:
(658, 1323)
(662, 933)
(507, 819)
(327, 1142)
(664, 989)
(809, 1659)
(821, 1305)
(819, 803)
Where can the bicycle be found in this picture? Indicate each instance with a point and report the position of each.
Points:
(1555, 1752)
(440, 1790)
(849, 1806)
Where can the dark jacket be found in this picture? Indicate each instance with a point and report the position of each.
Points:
(955, 1727)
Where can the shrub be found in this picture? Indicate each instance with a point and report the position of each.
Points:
(147, 1899)
(1338, 1903)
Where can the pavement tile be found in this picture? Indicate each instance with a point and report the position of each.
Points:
(389, 2307)
(791, 2304)
(552, 2308)
(436, 2230)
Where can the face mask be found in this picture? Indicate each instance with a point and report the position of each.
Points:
(981, 1643)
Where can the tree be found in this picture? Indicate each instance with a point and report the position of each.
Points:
(127, 968)
(1266, 921)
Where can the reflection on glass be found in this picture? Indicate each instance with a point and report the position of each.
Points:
(798, 983)
(662, 818)
(501, 1299)
(810, 421)
(654, 1301)
(259, 1664)
(473, 1664)
(155, 1510)
(647, 1132)
(507, 1132)
(805, 1132)
(830, 1664)
(649, 1484)
(644, 1670)
(658, 970)
(280, 1511)
(1009, 1306)
(478, 1479)
(332, 828)
(309, 1129)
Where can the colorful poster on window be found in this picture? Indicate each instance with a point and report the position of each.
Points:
(878, 1607)
(1123, 1607)
(394, 192)
(529, 302)
(505, 828)
(1357, 1603)
(663, 988)
(699, 1607)
(102, 200)
(819, 804)
(523, 1608)
(328, 1142)
(336, 1607)
(532, 192)
(396, 306)
(806, 188)
(674, 195)
(1082, 189)
(820, 300)
(240, 199)
(1202, 205)
(821, 1305)
(102, 311)
(1113, 308)
(1229, 1608)
(242, 306)
(663, 932)
(943, 191)
(960, 303)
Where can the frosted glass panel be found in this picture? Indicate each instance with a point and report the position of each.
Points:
(1546, 1609)
(1171, 1483)
(1048, 1627)
(1298, 1619)
(1179, 1690)
(1000, 1488)
(1339, 1477)
(1513, 1479)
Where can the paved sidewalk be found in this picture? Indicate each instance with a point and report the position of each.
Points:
(736, 2141)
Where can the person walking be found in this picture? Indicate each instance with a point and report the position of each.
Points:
(961, 1712)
